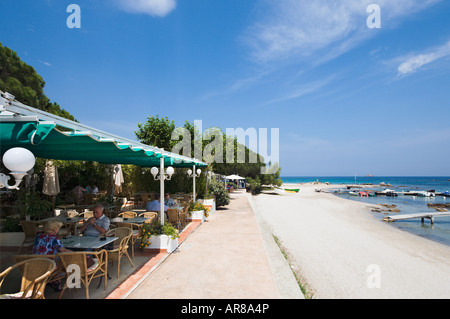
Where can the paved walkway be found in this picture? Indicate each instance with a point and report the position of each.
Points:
(232, 255)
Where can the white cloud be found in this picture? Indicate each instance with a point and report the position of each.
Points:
(319, 29)
(45, 63)
(303, 90)
(414, 62)
(158, 8)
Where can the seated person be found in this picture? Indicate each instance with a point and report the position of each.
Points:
(96, 225)
(48, 243)
(78, 193)
(155, 206)
(169, 201)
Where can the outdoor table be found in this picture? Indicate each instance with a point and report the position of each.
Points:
(67, 221)
(136, 220)
(62, 219)
(86, 242)
(78, 208)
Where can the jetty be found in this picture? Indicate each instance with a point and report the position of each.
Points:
(422, 216)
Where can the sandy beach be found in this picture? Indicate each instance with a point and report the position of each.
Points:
(342, 251)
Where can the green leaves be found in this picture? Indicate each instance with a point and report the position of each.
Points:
(22, 81)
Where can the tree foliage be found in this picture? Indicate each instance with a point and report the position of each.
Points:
(224, 154)
(22, 81)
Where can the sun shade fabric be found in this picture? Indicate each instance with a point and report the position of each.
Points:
(23, 133)
(45, 140)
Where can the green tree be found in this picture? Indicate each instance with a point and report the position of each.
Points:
(156, 132)
(22, 81)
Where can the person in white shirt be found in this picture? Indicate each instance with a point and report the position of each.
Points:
(97, 225)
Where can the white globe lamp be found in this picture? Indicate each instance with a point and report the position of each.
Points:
(19, 161)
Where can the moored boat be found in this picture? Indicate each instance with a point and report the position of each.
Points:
(425, 194)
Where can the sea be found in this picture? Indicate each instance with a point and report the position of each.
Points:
(439, 232)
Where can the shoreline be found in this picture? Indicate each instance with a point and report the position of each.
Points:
(334, 243)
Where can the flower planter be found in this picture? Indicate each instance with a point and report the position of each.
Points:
(197, 215)
(163, 243)
(211, 204)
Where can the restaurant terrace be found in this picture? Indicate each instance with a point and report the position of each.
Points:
(24, 129)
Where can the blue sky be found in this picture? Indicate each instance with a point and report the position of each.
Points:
(347, 99)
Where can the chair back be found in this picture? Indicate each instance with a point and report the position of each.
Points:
(173, 216)
(128, 225)
(152, 217)
(122, 233)
(33, 270)
(29, 228)
(35, 273)
(74, 258)
(148, 214)
(55, 275)
(79, 258)
(129, 214)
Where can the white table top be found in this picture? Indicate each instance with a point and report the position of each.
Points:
(136, 220)
(86, 242)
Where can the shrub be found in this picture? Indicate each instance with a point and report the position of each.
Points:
(254, 185)
(156, 229)
(220, 193)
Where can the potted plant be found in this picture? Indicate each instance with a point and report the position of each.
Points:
(210, 203)
(198, 211)
(159, 237)
(33, 206)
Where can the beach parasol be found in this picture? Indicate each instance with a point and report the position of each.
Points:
(118, 178)
(51, 181)
(235, 177)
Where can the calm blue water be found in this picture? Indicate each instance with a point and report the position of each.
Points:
(439, 232)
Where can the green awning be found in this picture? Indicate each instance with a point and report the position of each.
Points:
(46, 138)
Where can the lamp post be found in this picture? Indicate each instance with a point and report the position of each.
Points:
(192, 173)
(19, 161)
(161, 177)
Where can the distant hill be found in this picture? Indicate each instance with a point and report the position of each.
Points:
(22, 81)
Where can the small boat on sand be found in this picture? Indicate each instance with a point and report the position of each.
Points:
(292, 190)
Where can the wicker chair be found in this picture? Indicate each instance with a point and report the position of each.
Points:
(116, 254)
(87, 274)
(174, 218)
(30, 229)
(57, 274)
(35, 273)
(152, 217)
(184, 216)
(135, 236)
(129, 214)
